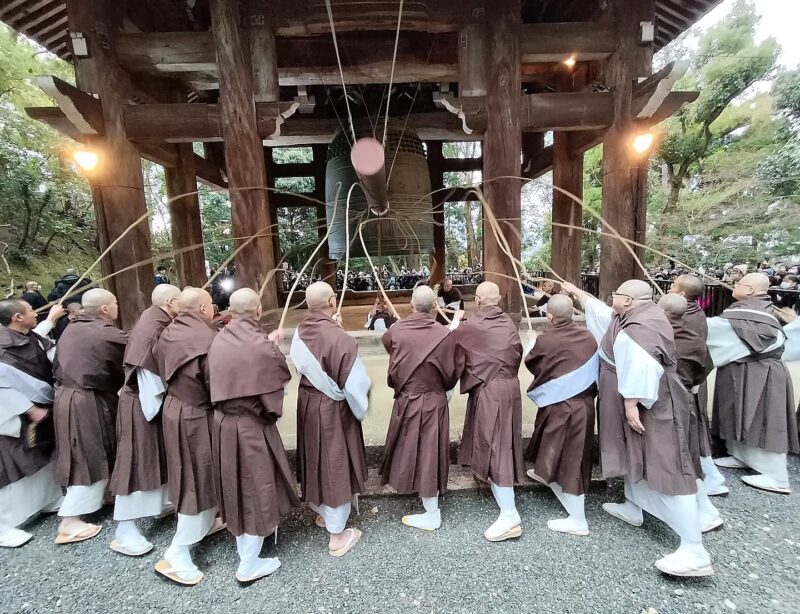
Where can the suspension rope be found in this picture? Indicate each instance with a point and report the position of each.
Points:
(339, 62)
(391, 74)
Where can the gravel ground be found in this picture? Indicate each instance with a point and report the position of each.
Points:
(397, 569)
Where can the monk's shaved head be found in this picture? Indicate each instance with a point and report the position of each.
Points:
(422, 299)
(164, 293)
(636, 289)
(691, 285)
(93, 300)
(192, 299)
(318, 295)
(758, 281)
(560, 307)
(673, 304)
(244, 303)
(488, 292)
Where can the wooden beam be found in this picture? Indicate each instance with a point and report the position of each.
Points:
(83, 111)
(184, 213)
(471, 63)
(264, 56)
(118, 186)
(502, 146)
(623, 205)
(244, 153)
(191, 122)
(555, 42)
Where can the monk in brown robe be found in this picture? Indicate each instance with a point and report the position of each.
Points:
(331, 403)
(754, 410)
(140, 470)
(694, 319)
(27, 486)
(694, 365)
(490, 352)
(181, 356)
(422, 369)
(88, 372)
(565, 365)
(247, 377)
(449, 301)
(645, 420)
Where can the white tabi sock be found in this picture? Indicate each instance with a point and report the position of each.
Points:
(772, 465)
(574, 506)
(431, 504)
(180, 560)
(335, 517)
(709, 515)
(192, 528)
(504, 495)
(251, 566)
(128, 533)
(713, 481)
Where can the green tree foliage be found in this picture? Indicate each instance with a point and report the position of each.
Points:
(727, 63)
(41, 195)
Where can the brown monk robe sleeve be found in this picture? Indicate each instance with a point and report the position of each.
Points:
(272, 402)
(386, 339)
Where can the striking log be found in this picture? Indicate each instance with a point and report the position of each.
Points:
(184, 213)
(502, 146)
(367, 158)
(244, 153)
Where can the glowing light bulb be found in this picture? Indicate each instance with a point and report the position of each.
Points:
(643, 142)
(570, 61)
(86, 159)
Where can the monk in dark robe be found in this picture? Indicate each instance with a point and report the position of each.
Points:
(331, 403)
(140, 470)
(691, 288)
(422, 369)
(27, 486)
(694, 365)
(644, 416)
(247, 377)
(181, 357)
(88, 371)
(565, 365)
(754, 410)
(489, 352)
(449, 302)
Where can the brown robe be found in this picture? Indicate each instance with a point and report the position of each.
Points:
(660, 455)
(331, 460)
(26, 353)
(88, 370)
(489, 353)
(561, 444)
(247, 376)
(695, 320)
(180, 353)
(422, 368)
(753, 396)
(694, 365)
(141, 463)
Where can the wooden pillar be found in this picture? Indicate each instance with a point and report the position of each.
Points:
(264, 55)
(184, 213)
(325, 266)
(567, 175)
(439, 255)
(623, 196)
(118, 187)
(502, 145)
(566, 242)
(244, 152)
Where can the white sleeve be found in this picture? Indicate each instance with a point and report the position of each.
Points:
(638, 373)
(454, 324)
(598, 318)
(43, 328)
(356, 390)
(12, 404)
(723, 344)
(380, 325)
(368, 322)
(791, 350)
(151, 392)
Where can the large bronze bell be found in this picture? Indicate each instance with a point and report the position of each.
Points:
(407, 228)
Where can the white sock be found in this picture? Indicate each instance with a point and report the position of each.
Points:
(504, 495)
(713, 478)
(431, 504)
(574, 504)
(248, 547)
(180, 559)
(708, 512)
(559, 493)
(128, 533)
